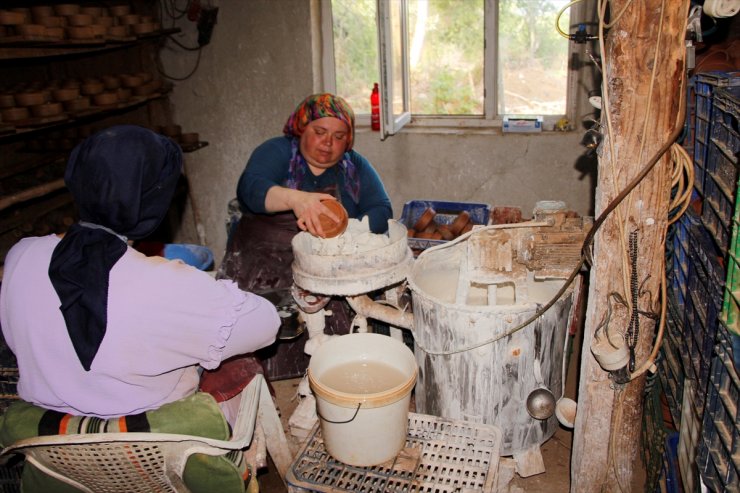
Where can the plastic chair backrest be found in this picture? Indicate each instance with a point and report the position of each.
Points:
(133, 462)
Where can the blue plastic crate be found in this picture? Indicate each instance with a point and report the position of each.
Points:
(725, 122)
(701, 306)
(198, 256)
(446, 214)
(723, 207)
(704, 86)
(677, 257)
(715, 225)
(719, 451)
(671, 366)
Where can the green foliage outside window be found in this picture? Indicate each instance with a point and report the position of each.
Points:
(446, 45)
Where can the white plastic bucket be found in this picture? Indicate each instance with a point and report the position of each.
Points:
(363, 426)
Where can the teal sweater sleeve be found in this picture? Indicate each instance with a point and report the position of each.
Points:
(268, 167)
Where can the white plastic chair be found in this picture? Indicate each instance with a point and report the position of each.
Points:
(141, 462)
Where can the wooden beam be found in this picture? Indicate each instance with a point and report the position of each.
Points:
(643, 57)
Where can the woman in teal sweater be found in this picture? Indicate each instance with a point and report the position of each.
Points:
(281, 189)
(280, 193)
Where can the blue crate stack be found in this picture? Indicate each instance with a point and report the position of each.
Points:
(703, 322)
(719, 450)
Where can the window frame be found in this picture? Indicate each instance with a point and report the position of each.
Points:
(448, 124)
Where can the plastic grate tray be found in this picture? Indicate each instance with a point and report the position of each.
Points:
(440, 456)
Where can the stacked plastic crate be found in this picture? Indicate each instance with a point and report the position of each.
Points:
(719, 450)
(697, 247)
(698, 253)
(696, 276)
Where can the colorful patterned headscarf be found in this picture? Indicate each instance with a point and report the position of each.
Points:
(312, 108)
(320, 106)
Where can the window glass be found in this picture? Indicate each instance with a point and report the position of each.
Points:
(446, 54)
(533, 58)
(446, 41)
(355, 51)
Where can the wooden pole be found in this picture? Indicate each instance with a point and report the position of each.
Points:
(643, 62)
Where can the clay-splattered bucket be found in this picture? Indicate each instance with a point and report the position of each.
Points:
(362, 384)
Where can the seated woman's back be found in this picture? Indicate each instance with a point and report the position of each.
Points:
(163, 319)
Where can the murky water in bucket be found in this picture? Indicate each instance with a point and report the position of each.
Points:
(363, 377)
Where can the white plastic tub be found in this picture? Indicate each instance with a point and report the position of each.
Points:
(366, 425)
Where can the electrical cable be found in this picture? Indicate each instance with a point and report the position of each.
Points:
(592, 232)
(682, 197)
(586, 242)
(186, 48)
(580, 36)
(619, 15)
(174, 13)
(560, 14)
(195, 68)
(607, 116)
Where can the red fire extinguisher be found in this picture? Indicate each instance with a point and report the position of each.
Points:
(375, 108)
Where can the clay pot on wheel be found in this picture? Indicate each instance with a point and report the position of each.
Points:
(331, 228)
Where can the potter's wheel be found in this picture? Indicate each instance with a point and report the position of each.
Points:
(352, 269)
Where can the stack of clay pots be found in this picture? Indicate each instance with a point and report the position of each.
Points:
(30, 102)
(37, 102)
(84, 22)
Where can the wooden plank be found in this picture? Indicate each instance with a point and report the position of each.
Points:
(28, 215)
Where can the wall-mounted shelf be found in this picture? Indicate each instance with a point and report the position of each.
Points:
(17, 48)
(193, 147)
(11, 130)
(33, 198)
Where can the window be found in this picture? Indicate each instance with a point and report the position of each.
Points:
(461, 62)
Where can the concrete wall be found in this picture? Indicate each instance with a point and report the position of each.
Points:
(258, 67)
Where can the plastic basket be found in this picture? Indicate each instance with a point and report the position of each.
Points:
(440, 456)
(703, 303)
(704, 86)
(671, 364)
(446, 213)
(677, 252)
(719, 453)
(726, 140)
(198, 256)
(689, 436)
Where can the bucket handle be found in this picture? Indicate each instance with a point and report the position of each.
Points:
(340, 422)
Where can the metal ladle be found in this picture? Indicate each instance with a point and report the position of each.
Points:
(540, 402)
